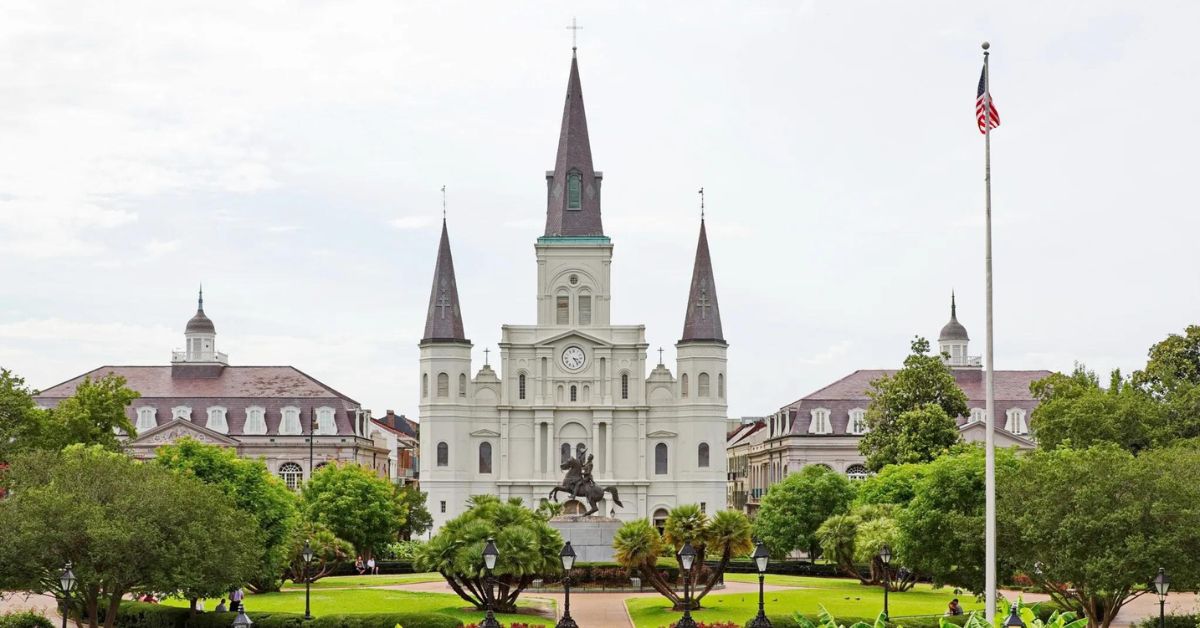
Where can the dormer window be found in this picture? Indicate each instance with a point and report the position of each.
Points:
(820, 422)
(574, 190)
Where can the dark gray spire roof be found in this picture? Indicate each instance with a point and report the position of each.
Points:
(703, 318)
(200, 324)
(574, 158)
(443, 321)
(953, 330)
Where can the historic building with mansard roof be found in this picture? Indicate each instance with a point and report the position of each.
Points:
(266, 412)
(573, 381)
(824, 427)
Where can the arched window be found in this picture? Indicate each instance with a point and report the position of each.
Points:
(702, 456)
(978, 414)
(660, 459)
(574, 393)
(660, 519)
(587, 393)
(326, 421)
(521, 386)
(485, 457)
(702, 385)
(624, 385)
(291, 421)
(145, 419)
(721, 385)
(559, 396)
(585, 309)
(462, 385)
(574, 190)
(216, 420)
(443, 385)
(683, 385)
(562, 309)
(858, 421)
(256, 422)
(425, 385)
(443, 454)
(565, 450)
(857, 472)
(291, 474)
(820, 422)
(1015, 422)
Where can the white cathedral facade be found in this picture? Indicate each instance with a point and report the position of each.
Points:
(573, 381)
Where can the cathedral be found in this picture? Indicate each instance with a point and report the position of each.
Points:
(574, 383)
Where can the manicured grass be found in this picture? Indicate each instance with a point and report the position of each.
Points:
(382, 601)
(353, 582)
(842, 597)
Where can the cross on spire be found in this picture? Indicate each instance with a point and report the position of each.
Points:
(486, 351)
(660, 352)
(574, 28)
(443, 300)
(702, 303)
(443, 202)
(701, 203)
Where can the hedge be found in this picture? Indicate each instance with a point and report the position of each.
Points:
(794, 568)
(1043, 611)
(26, 619)
(389, 567)
(142, 615)
(1172, 621)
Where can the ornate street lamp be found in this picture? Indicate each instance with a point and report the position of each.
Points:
(687, 556)
(567, 555)
(242, 620)
(490, 554)
(761, 557)
(1014, 618)
(67, 580)
(307, 555)
(1161, 585)
(885, 557)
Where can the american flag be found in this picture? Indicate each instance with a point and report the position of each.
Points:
(985, 109)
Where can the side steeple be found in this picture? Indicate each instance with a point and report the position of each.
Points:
(573, 187)
(443, 320)
(703, 318)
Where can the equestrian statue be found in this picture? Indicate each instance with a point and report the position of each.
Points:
(578, 483)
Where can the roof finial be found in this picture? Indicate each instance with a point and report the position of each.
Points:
(953, 307)
(574, 28)
(443, 203)
(701, 203)
(200, 303)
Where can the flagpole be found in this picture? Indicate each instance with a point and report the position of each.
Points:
(990, 402)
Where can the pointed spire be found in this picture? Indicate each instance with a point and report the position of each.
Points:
(703, 318)
(200, 303)
(443, 321)
(953, 308)
(573, 195)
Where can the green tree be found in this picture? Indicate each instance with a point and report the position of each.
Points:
(856, 537)
(894, 484)
(328, 552)
(793, 509)
(92, 416)
(1092, 526)
(355, 504)
(1172, 375)
(21, 422)
(911, 416)
(529, 549)
(416, 514)
(941, 529)
(726, 534)
(254, 490)
(1074, 411)
(125, 526)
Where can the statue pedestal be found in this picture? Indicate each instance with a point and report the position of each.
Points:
(591, 537)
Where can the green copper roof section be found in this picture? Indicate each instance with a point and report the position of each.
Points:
(574, 240)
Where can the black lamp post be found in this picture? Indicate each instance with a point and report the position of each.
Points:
(1014, 618)
(1161, 585)
(67, 580)
(761, 556)
(242, 620)
(687, 556)
(885, 557)
(490, 554)
(568, 561)
(307, 555)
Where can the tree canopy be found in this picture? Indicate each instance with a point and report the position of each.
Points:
(528, 548)
(416, 513)
(894, 484)
(793, 509)
(912, 413)
(254, 490)
(125, 527)
(1092, 526)
(355, 504)
(21, 422)
(1074, 411)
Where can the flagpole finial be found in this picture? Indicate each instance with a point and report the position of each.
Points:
(986, 45)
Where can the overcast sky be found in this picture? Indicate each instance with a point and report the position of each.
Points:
(290, 154)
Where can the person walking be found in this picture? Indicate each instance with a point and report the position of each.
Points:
(235, 600)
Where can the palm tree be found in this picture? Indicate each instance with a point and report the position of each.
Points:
(728, 533)
(637, 545)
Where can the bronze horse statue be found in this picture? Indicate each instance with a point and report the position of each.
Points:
(587, 489)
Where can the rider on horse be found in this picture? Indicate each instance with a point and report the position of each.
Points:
(585, 477)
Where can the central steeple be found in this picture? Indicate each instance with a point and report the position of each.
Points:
(573, 187)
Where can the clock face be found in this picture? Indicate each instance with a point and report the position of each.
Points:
(573, 358)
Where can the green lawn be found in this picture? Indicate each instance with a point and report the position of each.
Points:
(382, 601)
(842, 597)
(351, 582)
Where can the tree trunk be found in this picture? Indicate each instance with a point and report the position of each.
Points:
(114, 605)
(651, 575)
(93, 608)
(457, 588)
(716, 575)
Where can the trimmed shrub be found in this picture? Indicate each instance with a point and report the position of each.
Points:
(794, 568)
(1172, 621)
(141, 615)
(389, 567)
(29, 619)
